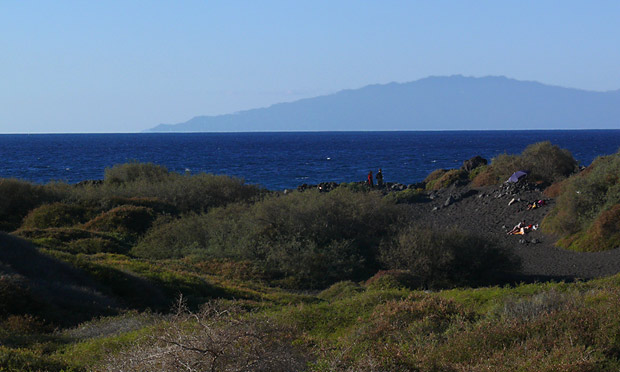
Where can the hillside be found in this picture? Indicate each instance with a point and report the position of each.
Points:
(433, 103)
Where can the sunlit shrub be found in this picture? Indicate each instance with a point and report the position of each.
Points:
(56, 215)
(407, 196)
(23, 360)
(74, 240)
(185, 193)
(435, 175)
(157, 205)
(394, 278)
(126, 219)
(584, 214)
(603, 234)
(545, 163)
(214, 339)
(476, 171)
(486, 177)
(446, 179)
(133, 172)
(341, 290)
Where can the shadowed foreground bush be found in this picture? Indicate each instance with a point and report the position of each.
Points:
(447, 258)
(17, 198)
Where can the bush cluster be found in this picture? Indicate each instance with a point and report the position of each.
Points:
(545, 331)
(312, 238)
(126, 219)
(586, 212)
(56, 215)
(546, 163)
(445, 258)
(17, 198)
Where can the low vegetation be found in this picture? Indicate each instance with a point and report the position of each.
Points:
(546, 164)
(151, 270)
(587, 212)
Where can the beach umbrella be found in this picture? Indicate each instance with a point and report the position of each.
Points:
(516, 176)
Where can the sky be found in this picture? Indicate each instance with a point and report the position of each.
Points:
(125, 66)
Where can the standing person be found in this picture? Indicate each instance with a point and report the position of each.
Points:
(379, 178)
(370, 184)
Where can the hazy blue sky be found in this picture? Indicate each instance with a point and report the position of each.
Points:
(123, 66)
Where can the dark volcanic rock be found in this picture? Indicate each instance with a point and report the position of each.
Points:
(474, 163)
(89, 183)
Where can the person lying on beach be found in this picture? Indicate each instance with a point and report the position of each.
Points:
(522, 230)
(517, 228)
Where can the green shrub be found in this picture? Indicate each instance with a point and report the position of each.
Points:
(312, 238)
(126, 219)
(587, 197)
(94, 245)
(446, 179)
(603, 234)
(340, 290)
(74, 240)
(446, 258)
(476, 171)
(174, 239)
(545, 162)
(435, 175)
(356, 186)
(56, 215)
(21, 360)
(17, 198)
(157, 205)
(317, 238)
(133, 172)
(184, 193)
(385, 279)
(406, 196)
(486, 177)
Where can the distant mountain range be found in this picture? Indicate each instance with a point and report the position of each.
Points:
(433, 103)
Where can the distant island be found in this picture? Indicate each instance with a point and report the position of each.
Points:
(434, 103)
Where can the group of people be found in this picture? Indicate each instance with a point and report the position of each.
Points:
(378, 176)
(536, 204)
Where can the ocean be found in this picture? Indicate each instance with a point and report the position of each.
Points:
(281, 160)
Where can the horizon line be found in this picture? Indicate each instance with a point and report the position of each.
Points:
(325, 131)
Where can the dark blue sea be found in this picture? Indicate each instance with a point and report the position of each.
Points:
(280, 160)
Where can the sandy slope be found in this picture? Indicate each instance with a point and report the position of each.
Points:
(486, 211)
